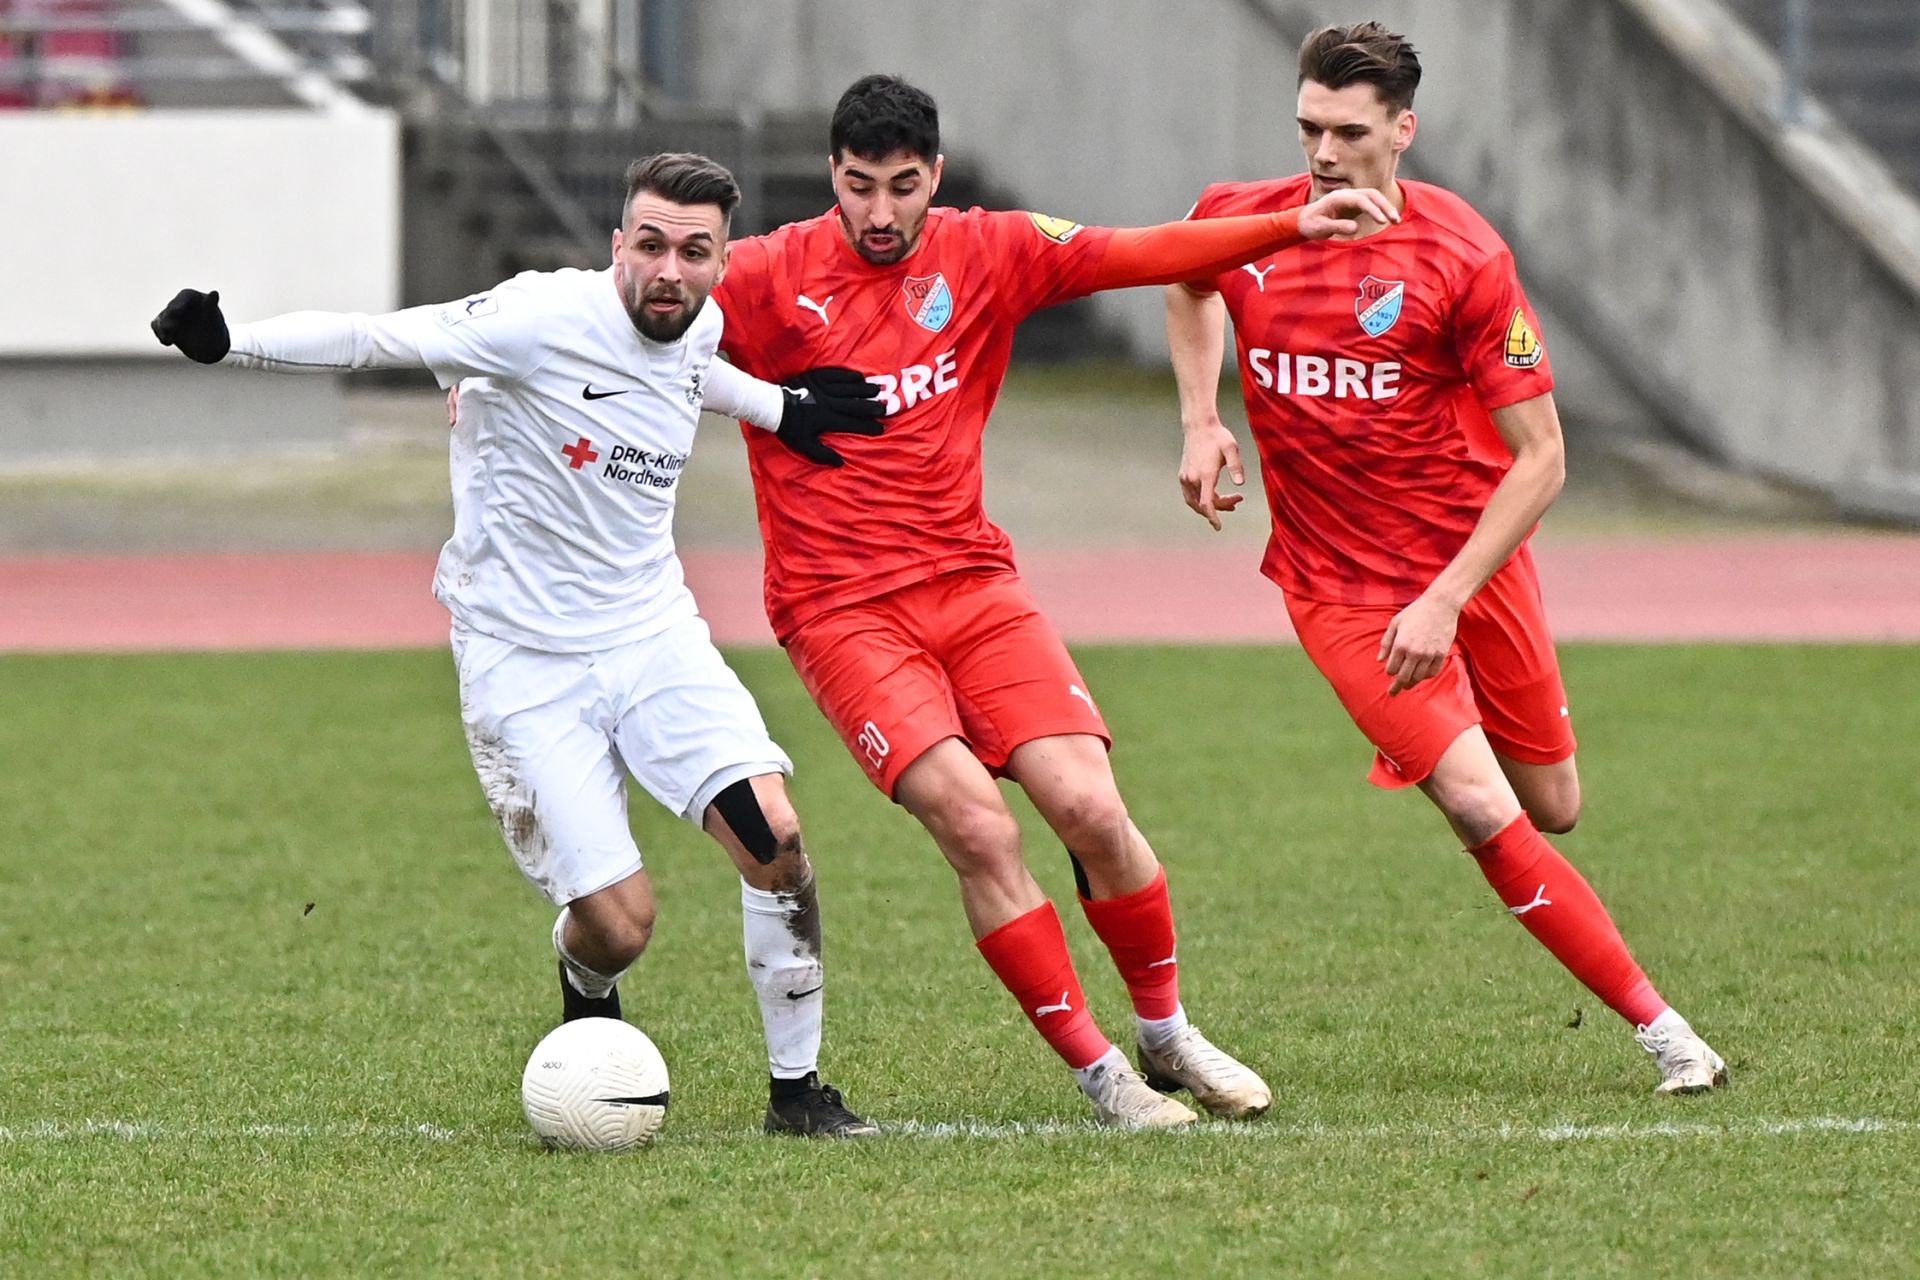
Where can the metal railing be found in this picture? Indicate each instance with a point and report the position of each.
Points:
(565, 90)
(1795, 43)
(562, 88)
(92, 52)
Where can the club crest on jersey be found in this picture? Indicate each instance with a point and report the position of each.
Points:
(929, 301)
(1523, 344)
(1378, 305)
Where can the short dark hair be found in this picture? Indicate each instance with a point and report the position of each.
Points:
(1364, 53)
(879, 115)
(683, 178)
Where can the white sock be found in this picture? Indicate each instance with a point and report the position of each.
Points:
(590, 983)
(1155, 1033)
(1111, 1060)
(782, 934)
(1668, 1023)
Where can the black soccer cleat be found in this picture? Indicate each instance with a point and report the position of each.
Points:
(574, 1005)
(809, 1109)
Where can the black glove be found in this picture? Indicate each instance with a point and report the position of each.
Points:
(823, 400)
(193, 323)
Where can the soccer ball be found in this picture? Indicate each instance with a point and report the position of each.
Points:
(595, 1084)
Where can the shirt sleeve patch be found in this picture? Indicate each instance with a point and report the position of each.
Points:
(480, 304)
(1059, 230)
(1523, 345)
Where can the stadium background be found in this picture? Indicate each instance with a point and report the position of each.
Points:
(1727, 271)
(1715, 207)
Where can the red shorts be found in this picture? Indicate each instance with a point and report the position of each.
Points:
(1502, 674)
(963, 655)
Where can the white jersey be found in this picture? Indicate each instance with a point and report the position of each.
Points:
(573, 430)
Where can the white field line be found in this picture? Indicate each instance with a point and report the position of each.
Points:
(48, 1131)
(1258, 1130)
(163, 1131)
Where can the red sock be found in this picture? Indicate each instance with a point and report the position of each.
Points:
(1029, 955)
(1560, 909)
(1138, 930)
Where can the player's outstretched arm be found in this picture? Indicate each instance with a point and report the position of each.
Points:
(332, 342)
(1199, 247)
(1196, 323)
(1417, 640)
(801, 410)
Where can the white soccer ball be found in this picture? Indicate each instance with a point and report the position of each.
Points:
(595, 1084)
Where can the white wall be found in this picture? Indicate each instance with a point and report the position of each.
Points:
(104, 217)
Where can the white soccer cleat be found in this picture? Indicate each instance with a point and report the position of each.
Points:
(1218, 1081)
(1687, 1064)
(1123, 1099)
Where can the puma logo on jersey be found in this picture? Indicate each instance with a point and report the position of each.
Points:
(1065, 1006)
(1540, 899)
(1259, 276)
(917, 382)
(820, 307)
(1075, 691)
(1341, 378)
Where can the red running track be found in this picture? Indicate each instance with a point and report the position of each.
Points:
(1823, 588)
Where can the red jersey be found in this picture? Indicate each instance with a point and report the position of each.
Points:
(1368, 368)
(935, 330)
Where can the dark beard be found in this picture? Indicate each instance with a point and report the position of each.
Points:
(887, 259)
(664, 328)
(878, 259)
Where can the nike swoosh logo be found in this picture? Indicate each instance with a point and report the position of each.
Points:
(651, 1100)
(588, 393)
(802, 995)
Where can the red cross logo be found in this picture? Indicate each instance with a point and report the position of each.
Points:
(580, 453)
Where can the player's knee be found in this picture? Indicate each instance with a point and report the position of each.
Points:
(1555, 816)
(1554, 808)
(1093, 825)
(784, 826)
(981, 841)
(621, 937)
(764, 822)
(1476, 812)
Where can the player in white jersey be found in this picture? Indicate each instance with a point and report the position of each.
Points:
(581, 654)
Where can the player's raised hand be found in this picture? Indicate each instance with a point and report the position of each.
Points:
(826, 400)
(1417, 642)
(193, 323)
(1209, 450)
(1340, 213)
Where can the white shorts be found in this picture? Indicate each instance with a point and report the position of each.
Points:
(553, 736)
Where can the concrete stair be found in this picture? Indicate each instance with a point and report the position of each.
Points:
(1863, 62)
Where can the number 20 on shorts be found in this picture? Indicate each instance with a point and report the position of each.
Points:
(874, 743)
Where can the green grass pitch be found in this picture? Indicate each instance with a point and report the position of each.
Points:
(199, 1075)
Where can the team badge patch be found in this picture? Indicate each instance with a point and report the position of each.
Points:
(1055, 229)
(1523, 345)
(480, 304)
(929, 301)
(1378, 306)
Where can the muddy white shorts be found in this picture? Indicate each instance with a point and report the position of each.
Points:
(554, 735)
